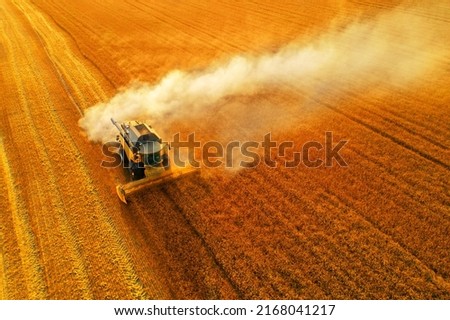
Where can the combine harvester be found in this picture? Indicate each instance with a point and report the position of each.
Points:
(147, 158)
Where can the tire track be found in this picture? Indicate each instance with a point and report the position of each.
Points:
(412, 121)
(364, 217)
(408, 130)
(426, 265)
(205, 244)
(399, 223)
(363, 102)
(29, 254)
(187, 263)
(266, 213)
(375, 129)
(320, 207)
(386, 135)
(343, 284)
(394, 179)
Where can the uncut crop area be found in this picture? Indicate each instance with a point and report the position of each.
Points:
(375, 74)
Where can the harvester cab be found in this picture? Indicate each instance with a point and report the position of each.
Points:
(146, 156)
(141, 149)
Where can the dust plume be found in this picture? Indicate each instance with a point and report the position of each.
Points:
(393, 48)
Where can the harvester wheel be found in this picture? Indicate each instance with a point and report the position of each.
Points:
(166, 162)
(137, 173)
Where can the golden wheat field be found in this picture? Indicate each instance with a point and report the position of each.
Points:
(376, 74)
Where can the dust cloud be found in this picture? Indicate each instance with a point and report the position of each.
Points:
(394, 48)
